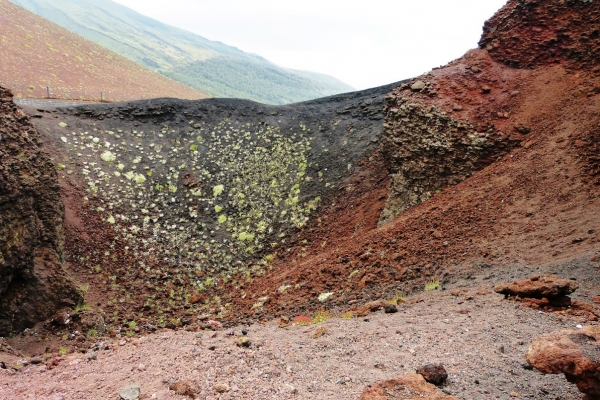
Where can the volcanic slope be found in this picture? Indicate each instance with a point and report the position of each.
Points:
(209, 66)
(37, 54)
(248, 210)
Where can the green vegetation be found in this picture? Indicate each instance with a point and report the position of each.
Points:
(209, 66)
(63, 350)
(81, 307)
(398, 298)
(434, 284)
(321, 316)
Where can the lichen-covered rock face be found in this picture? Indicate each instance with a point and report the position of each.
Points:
(33, 283)
(427, 150)
(573, 353)
(526, 33)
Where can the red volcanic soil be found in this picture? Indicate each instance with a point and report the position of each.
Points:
(537, 205)
(36, 53)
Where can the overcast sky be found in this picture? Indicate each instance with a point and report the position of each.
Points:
(364, 43)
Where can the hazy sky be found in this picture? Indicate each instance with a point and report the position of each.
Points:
(364, 43)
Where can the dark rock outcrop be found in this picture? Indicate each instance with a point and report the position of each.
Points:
(433, 373)
(530, 33)
(33, 283)
(573, 353)
(427, 150)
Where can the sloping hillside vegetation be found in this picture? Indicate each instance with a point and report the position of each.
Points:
(209, 66)
(40, 58)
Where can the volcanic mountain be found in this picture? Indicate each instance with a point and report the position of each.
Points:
(209, 66)
(41, 59)
(182, 212)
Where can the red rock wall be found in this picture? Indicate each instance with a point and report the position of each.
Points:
(530, 33)
(33, 283)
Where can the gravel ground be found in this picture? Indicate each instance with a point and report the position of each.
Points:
(479, 337)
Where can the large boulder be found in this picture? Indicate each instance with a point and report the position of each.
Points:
(33, 283)
(538, 287)
(407, 387)
(574, 353)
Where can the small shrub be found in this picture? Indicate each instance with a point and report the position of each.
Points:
(398, 298)
(433, 285)
(63, 350)
(321, 316)
(92, 333)
(348, 315)
(81, 307)
(132, 324)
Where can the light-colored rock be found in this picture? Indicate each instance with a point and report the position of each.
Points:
(221, 388)
(130, 392)
(418, 86)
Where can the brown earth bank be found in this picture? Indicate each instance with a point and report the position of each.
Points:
(37, 54)
(188, 215)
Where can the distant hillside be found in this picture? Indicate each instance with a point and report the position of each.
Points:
(37, 54)
(209, 66)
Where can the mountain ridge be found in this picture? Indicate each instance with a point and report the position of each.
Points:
(41, 59)
(209, 66)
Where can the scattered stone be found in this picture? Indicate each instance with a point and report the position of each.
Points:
(284, 322)
(371, 307)
(130, 393)
(390, 309)
(537, 287)
(418, 86)
(513, 394)
(475, 69)
(214, 325)
(195, 299)
(411, 386)
(243, 342)
(92, 355)
(221, 388)
(457, 107)
(199, 335)
(320, 331)
(571, 352)
(203, 317)
(433, 373)
(522, 129)
(291, 389)
(141, 367)
(244, 331)
(36, 360)
(596, 299)
(183, 388)
(486, 90)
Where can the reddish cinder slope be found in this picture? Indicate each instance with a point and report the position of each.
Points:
(536, 205)
(36, 53)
